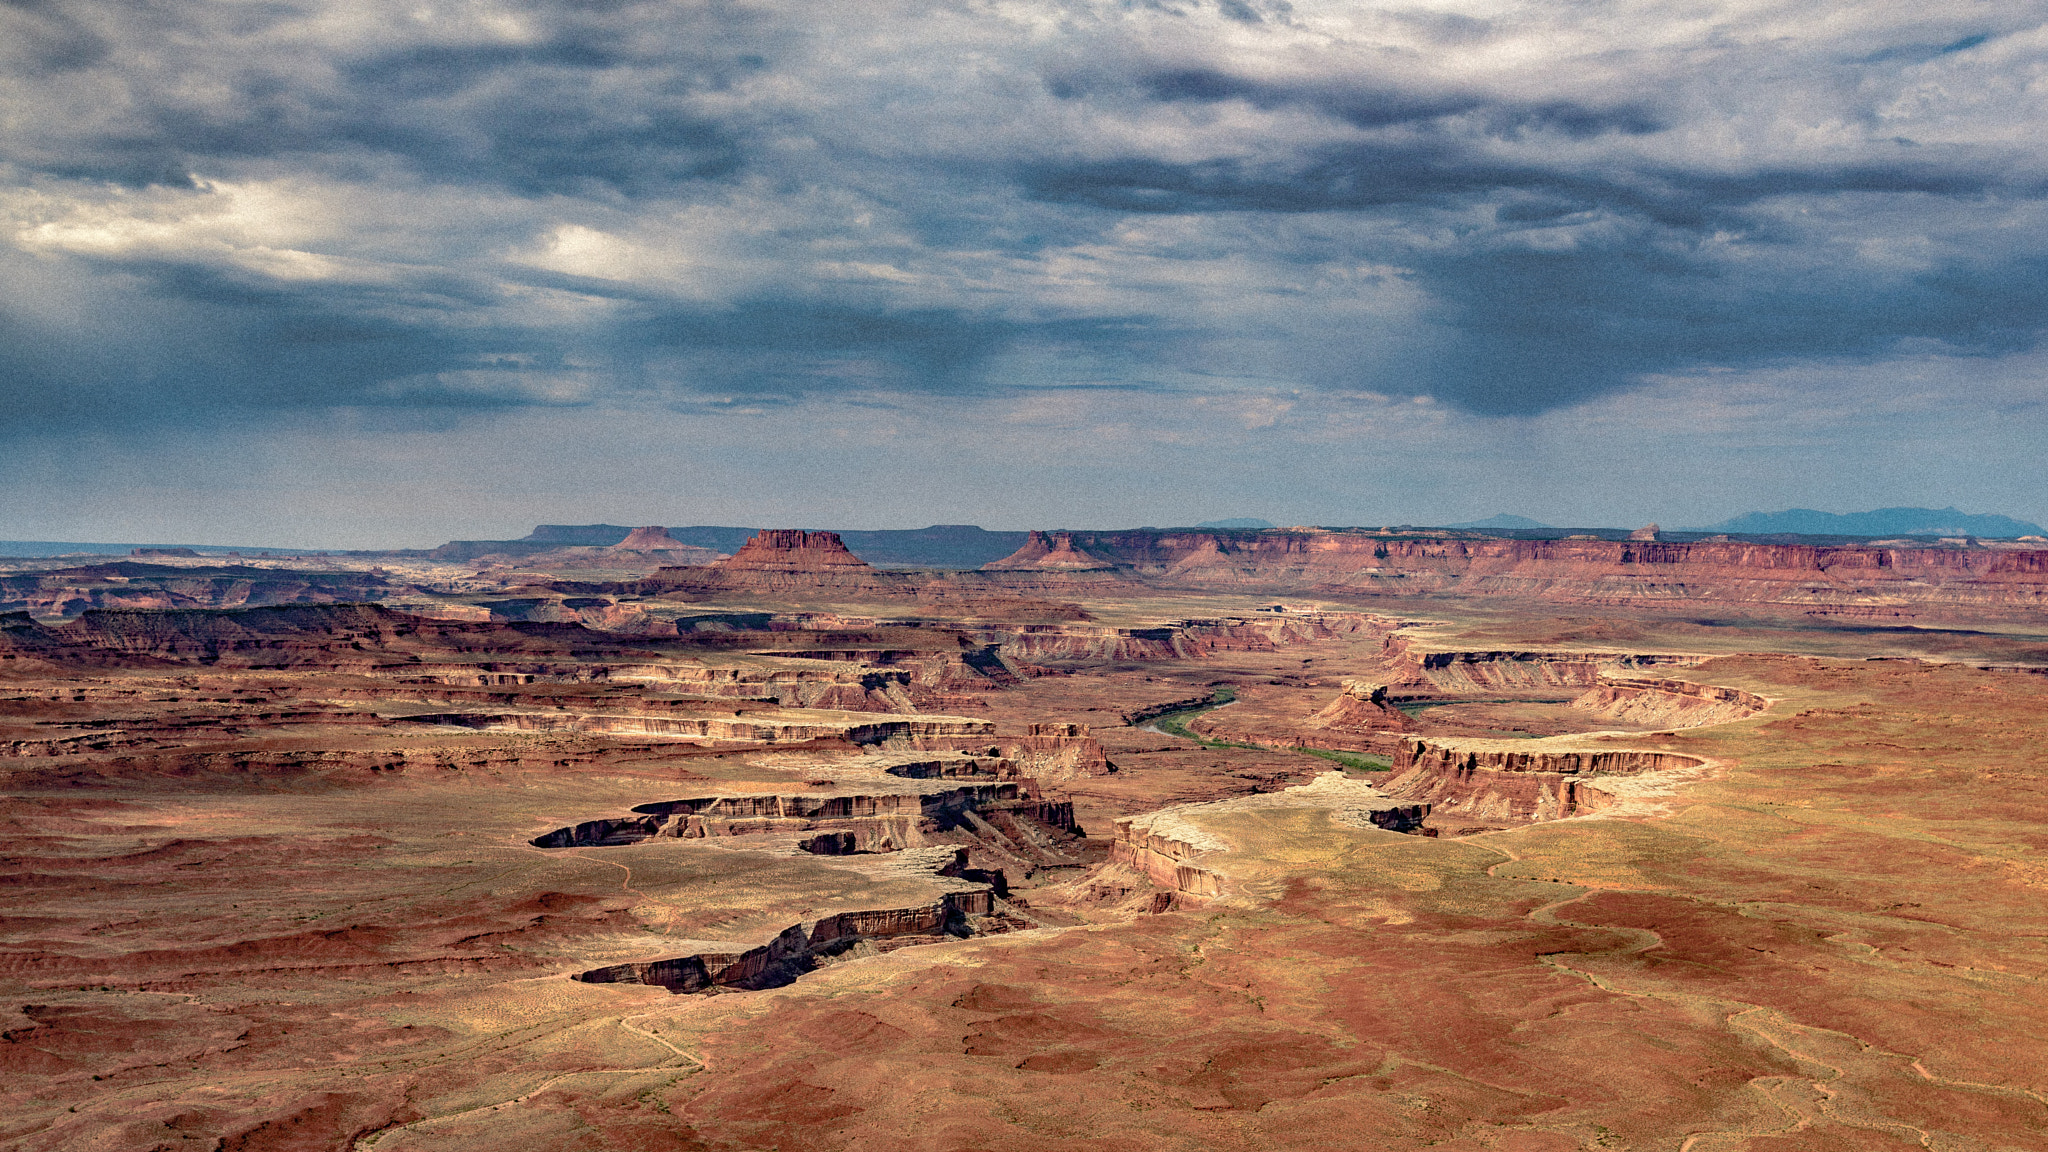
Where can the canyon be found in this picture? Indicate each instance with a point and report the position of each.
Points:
(1200, 840)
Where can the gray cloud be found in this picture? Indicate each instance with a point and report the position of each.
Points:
(306, 205)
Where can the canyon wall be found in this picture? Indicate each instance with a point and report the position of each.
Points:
(1406, 663)
(1165, 857)
(1492, 783)
(786, 563)
(1581, 571)
(66, 592)
(1670, 703)
(801, 946)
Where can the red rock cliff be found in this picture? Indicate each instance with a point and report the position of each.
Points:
(1851, 578)
(790, 550)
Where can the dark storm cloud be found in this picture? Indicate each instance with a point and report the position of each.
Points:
(1640, 290)
(46, 38)
(318, 204)
(192, 343)
(1369, 106)
(790, 347)
(580, 106)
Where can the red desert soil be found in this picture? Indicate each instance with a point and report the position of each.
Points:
(324, 877)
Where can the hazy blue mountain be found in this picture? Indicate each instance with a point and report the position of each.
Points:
(1502, 521)
(1882, 522)
(1237, 523)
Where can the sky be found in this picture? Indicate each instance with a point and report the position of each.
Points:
(317, 273)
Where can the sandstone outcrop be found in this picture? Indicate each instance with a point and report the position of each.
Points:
(788, 550)
(1668, 703)
(1405, 662)
(1172, 849)
(1041, 552)
(785, 563)
(888, 822)
(1362, 707)
(1051, 752)
(1583, 571)
(1190, 639)
(66, 593)
(1499, 783)
(653, 538)
(1164, 861)
(802, 946)
(643, 547)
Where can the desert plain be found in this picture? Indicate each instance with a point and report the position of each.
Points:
(1290, 839)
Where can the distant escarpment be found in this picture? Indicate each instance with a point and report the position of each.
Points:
(1856, 578)
(67, 592)
(1055, 552)
(787, 563)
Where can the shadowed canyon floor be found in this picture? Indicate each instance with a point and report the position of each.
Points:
(805, 874)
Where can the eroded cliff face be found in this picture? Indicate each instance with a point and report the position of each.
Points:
(1048, 552)
(1489, 783)
(884, 822)
(67, 592)
(1583, 571)
(1164, 851)
(1050, 752)
(1405, 662)
(1362, 707)
(789, 550)
(1174, 849)
(786, 563)
(803, 946)
(1670, 703)
(1190, 639)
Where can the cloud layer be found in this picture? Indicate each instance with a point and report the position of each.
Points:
(212, 214)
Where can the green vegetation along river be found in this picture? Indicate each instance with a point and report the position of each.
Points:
(1176, 724)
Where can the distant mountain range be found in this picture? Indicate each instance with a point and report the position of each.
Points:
(1502, 521)
(1882, 522)
(1237, 524)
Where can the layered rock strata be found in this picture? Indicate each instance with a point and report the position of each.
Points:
(885, 822)
(1362, 707)
(1173, 850)
(1406, 662)
(1669, 703)
(1497, 782)
(781, 563)
(66, 593)
(1054, 552)
(802, 946)
(1823, 579)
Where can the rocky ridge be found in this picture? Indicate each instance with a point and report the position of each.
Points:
(1595, 572)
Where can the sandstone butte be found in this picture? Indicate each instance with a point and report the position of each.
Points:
(1493, 866)
(1042, 552)
(654, 538)
(781, 564)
